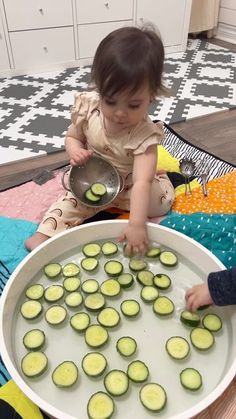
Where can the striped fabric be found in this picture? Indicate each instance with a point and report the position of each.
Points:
(179, 148)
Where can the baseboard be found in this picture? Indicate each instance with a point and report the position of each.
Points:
(226, 33)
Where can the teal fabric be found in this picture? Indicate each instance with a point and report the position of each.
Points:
(217, 232)
(13, 233)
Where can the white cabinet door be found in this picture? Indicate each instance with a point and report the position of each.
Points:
(4, 59)
(37, 14)
(171, 18)
(91, 11)
(91, 35)
(41, 47)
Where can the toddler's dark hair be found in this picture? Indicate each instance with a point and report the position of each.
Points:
(126, 58)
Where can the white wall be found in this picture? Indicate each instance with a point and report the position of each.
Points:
(227, 21)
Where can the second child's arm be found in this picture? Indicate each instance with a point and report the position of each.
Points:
(75, 143)
(143, 174)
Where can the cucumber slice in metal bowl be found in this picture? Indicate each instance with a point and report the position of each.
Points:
(98, 189)
(65, 374)
(100, 406)
(153, 397)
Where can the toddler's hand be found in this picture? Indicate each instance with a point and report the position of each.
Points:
(197, 296)
(79, 156)
(136, 237)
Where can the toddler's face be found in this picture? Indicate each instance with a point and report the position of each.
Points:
(125, 109)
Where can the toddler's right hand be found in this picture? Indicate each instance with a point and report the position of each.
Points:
(79, 156)
(197, 296)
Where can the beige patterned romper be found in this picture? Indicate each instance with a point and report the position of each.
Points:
(120, 150)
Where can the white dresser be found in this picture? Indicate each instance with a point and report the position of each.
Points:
(37, 35)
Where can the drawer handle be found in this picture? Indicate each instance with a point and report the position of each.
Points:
(45, 49)
(106, 4)
(41, 11)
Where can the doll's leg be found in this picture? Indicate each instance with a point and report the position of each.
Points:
(65, 213)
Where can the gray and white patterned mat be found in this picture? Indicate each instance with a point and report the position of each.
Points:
(35, 109)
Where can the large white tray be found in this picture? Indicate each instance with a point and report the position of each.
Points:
(217, 366)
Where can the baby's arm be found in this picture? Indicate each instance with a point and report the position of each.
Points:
(198, 295)
(143, 173)
(75, 143)
(220, 290)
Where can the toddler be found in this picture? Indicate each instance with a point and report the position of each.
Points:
(219, 290)
(112, 121)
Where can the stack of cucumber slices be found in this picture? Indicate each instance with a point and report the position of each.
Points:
(71, 294)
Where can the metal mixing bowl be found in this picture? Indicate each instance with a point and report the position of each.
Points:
(96, 169)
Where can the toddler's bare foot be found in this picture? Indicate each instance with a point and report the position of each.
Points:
(34, 241)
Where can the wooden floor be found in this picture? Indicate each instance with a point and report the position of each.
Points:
(214, 133)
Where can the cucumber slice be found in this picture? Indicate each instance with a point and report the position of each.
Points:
(34, 292)
(96, 336)
(163, 306)
(137, 371)
(110, 288)
(145, 277)
(31, 309)
(55, 314)
(94, 302)
(189, 318)
(177, 347)
(212, 322)
(126, 346)
(136, 265)
(52, 270)
(34, 339)
(90, 286)
(80, 321)
(89, 195)
(162, 281)
(191, 379)
(168, 258)
(202, 339)
(53, 293)
(113, 268)
(94, 364)
(91, 250)
(71, 269)
(116, 382)
(130, 308)
(108, 317)
(149, 294)
(74, 299)
(109, 248)
(34, 364)
(153, 252)
(89, 264)
(153, 397)
(71, 283)
(125, 280)
(100, 406)
(65, 374)
(98, 189)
